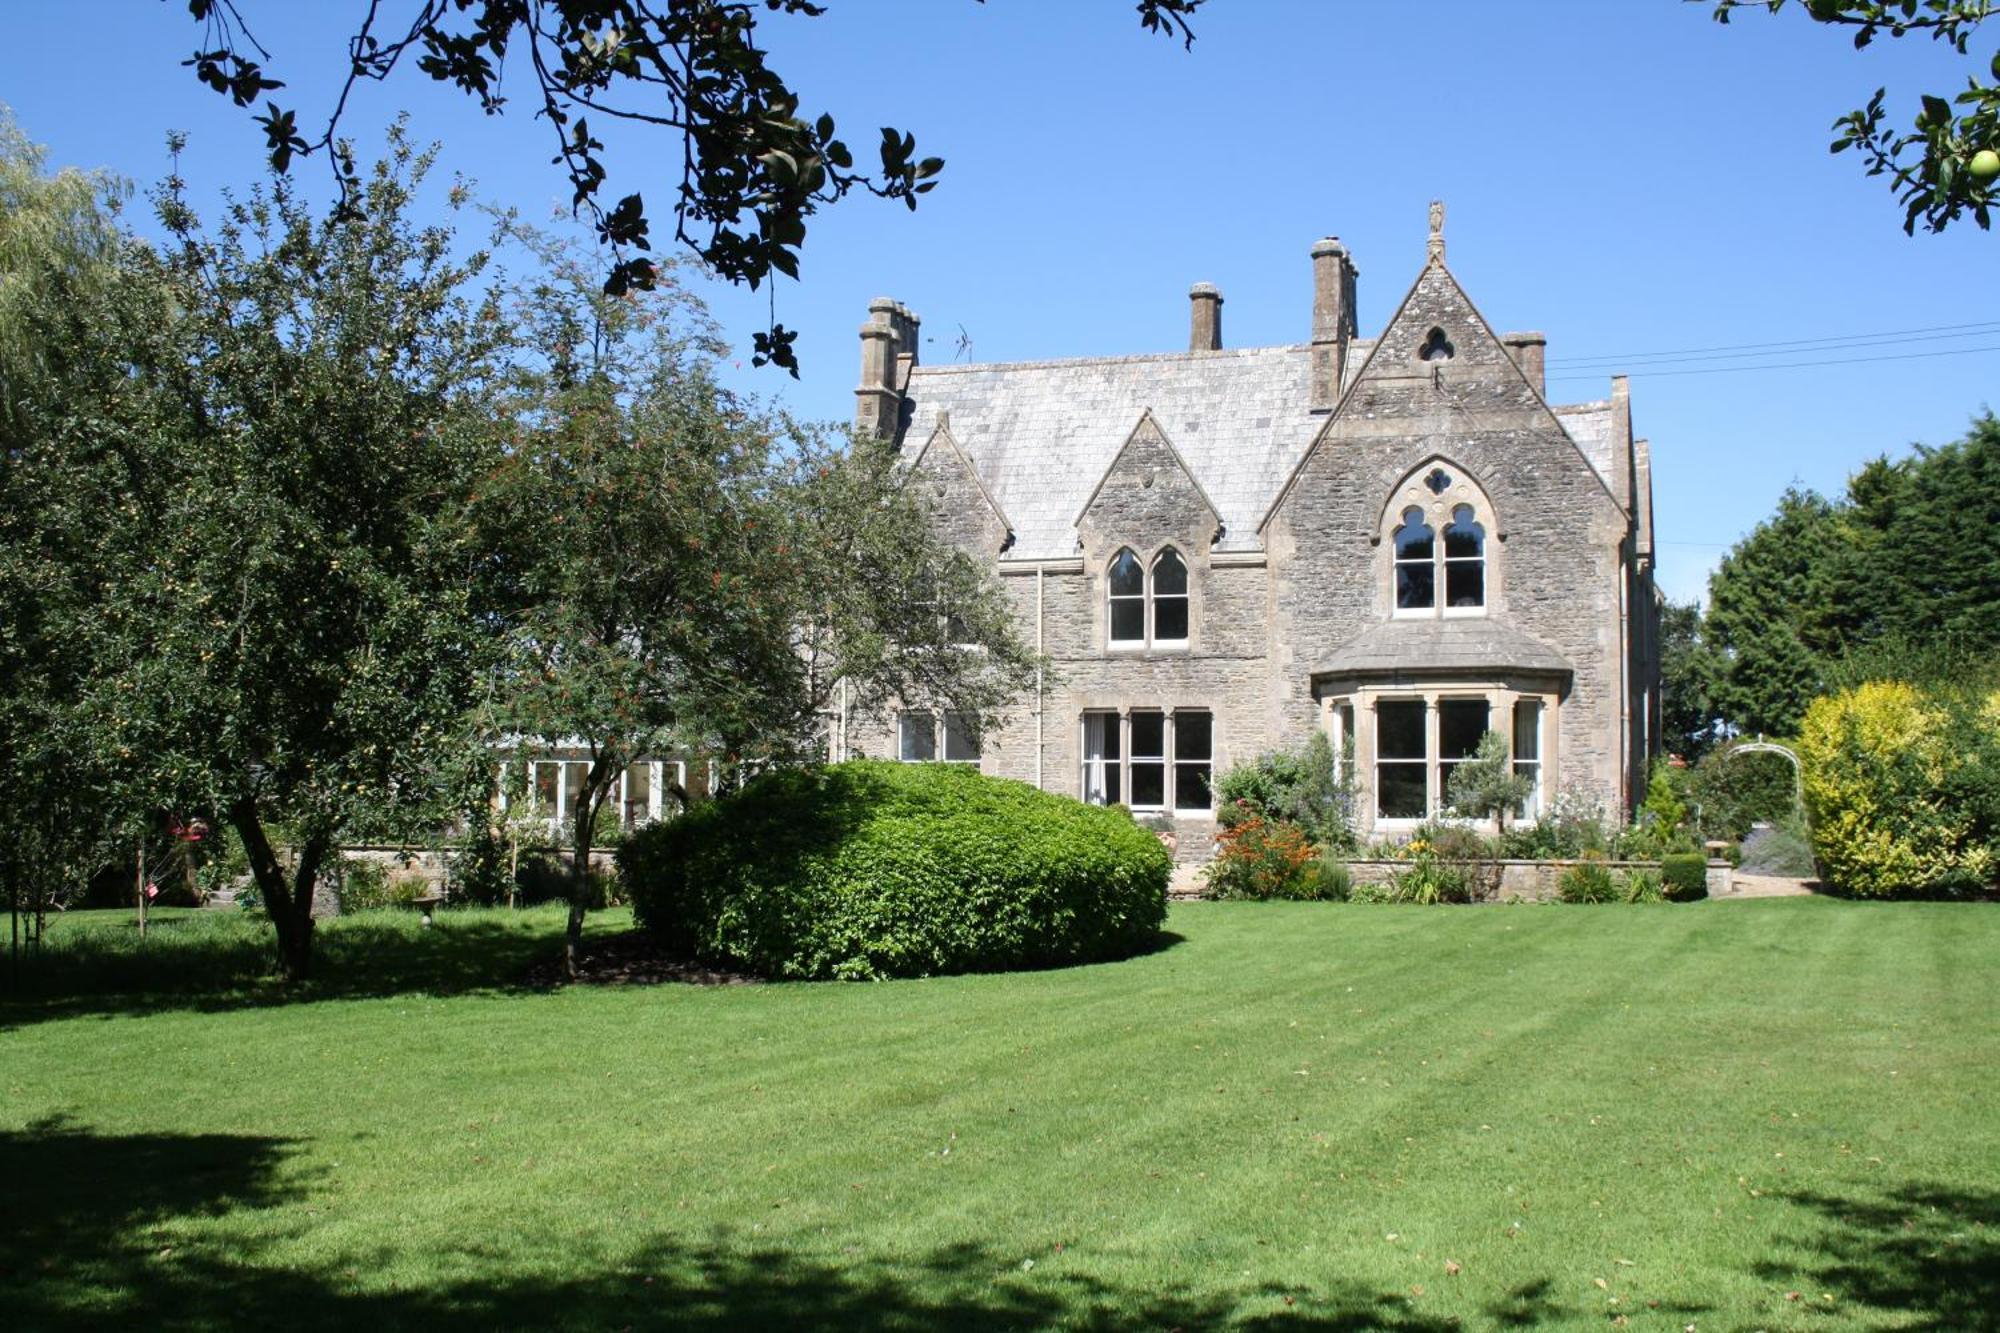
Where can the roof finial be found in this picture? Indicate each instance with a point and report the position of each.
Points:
(1437, 231)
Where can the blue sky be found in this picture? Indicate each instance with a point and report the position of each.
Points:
(1625, 175)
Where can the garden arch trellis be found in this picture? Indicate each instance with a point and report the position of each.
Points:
(1762, 746)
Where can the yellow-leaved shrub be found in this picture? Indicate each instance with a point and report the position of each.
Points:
(1881, 764)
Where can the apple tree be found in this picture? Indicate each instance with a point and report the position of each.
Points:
(750, 165)
(1946, 163)
(310, 615)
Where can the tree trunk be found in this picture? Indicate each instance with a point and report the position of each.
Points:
(583, 832)
(289, 904)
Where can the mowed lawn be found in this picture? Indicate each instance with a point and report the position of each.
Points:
(1739, 1115)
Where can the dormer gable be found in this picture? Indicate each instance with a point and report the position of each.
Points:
(1147, 496)
(963, 506)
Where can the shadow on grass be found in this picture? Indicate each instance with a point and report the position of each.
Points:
(228, 960)
(1927, 1253)
(115, 1230)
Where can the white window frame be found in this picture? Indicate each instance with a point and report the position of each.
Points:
(1529, 811)
(1397, 563)
(1153, 595)
(1113, 599)
(1098, 770)
(942, 730)
(1445, 560)
(1148, 599)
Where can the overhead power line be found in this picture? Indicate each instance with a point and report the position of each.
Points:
(1792, 365)
(1779, 348)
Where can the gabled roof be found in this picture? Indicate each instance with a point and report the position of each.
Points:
(1146, 419)
(1433, 272)
(1042, 434)
(943, 432)
(1451, 645)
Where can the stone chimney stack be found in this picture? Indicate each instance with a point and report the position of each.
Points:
(888, 354)
(1333, 320)
(1529, 351)
(1205, 318)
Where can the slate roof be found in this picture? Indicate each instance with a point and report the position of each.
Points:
(1592, 427)
(1452, 644)
(1041, 434)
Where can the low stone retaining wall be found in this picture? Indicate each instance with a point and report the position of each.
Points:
(427, 865)
(1534, 881)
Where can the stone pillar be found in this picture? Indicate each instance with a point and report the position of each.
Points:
(1205, 318)
(1333, 320)
(1529, 351)
(1364, 760)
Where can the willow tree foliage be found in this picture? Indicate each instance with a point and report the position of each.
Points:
(82, 312)
(309, 622)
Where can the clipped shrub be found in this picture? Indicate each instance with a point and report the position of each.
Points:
(1684, 876)
(1885, 779)
(1258, 858)
(1587, 881)
(1642, 886)
(872, 869)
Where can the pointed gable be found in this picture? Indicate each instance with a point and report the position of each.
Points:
(1439, 371)
(966, 510)
(1148, 496)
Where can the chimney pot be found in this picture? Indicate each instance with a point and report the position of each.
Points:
(1529, 351)
(888, 352)
(1205, 318)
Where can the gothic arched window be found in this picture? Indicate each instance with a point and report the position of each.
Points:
(1128, 598)
(1464, 561)
(1416, 570)
(1437, 522)
(1170, 598)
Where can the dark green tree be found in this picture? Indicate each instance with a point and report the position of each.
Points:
(753, 166)
(1947, 163)
(1765, 621)
(1687, 682)
(311, 619)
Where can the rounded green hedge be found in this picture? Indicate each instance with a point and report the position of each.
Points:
(870, 869)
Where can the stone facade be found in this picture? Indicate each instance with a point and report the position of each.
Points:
(1397, 539)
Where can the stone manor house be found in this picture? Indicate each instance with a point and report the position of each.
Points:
(1398, 539)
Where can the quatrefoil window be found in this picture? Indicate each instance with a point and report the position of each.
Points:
(1436, 347)
(1439, 481)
